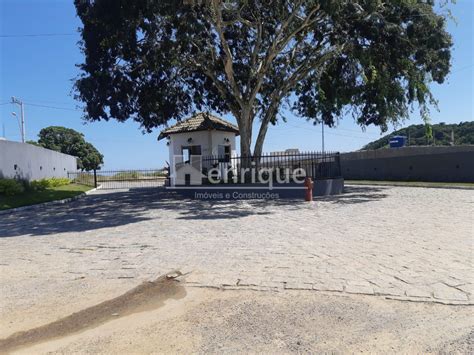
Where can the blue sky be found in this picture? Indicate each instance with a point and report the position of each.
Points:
(40, 69)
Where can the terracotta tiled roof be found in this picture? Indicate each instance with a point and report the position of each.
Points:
(200, 122)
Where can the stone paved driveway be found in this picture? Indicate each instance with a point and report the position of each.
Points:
(408, 243)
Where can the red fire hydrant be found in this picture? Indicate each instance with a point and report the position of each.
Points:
(308, 183)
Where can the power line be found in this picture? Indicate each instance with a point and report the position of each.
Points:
(40, 101)
(53, 107)
(37, 35)
(355, 131)
(46, 106)
(347, 136)
(47, 102)
(462, 68)
(332, 133)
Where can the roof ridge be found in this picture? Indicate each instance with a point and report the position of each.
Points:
(198, 122)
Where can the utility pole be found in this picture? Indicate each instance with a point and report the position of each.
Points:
(452, 136)
(322, 134)
(22, 114)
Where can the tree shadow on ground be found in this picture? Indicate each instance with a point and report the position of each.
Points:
(122, 208)
(116, 209)
(357, 194)
(229, 209)
(88, 213)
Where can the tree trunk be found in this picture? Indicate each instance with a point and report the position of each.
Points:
(260, 139)
(264, 127)
(245, 130)
(245, 140)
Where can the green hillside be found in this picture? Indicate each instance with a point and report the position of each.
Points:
(463, 134)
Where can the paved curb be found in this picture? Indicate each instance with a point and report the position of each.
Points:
(427, 186)
(49, 203)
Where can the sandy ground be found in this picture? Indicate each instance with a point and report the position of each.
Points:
(175, 319)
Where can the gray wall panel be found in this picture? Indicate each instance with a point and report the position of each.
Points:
(442, 164)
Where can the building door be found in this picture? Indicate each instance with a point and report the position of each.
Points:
(224, 152)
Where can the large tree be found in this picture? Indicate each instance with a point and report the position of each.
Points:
(153, 61)
(69, 141)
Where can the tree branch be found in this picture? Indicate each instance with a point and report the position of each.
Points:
(278, 45)
(228, 61)
(220, 85)
(254, 55)
(279, 93)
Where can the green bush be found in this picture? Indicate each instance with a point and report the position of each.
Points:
(38, 185)
(10, 187)
(55, 182)
(43, 184)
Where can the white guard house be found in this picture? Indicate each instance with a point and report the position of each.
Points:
(197, 144)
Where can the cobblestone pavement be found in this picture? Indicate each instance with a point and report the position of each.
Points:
(407, 243)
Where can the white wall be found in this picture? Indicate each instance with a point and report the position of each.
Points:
(179, 140)
(208, 140)
(218, 139)
(27, 161)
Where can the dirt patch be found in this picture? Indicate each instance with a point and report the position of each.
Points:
(147, 296)
(210, 321)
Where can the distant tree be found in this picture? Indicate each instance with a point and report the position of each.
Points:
(69, 141)
(153, 61)
(463, 134)
(33, 143)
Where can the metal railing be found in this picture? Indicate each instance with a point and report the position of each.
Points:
(316, 165)
(279, 167)
(119, 179)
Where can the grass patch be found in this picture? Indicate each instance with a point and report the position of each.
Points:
(34, 197)
(410, 183)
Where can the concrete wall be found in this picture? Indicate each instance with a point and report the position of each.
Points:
(27, 161)
(296, 191)
(444, 164)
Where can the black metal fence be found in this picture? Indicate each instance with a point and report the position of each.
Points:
(119, 179)
(316, 165)
(279, 167)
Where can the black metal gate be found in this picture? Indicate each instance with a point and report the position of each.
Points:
(119, 179)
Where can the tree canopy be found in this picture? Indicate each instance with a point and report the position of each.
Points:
(153, 61)
(69, 141)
